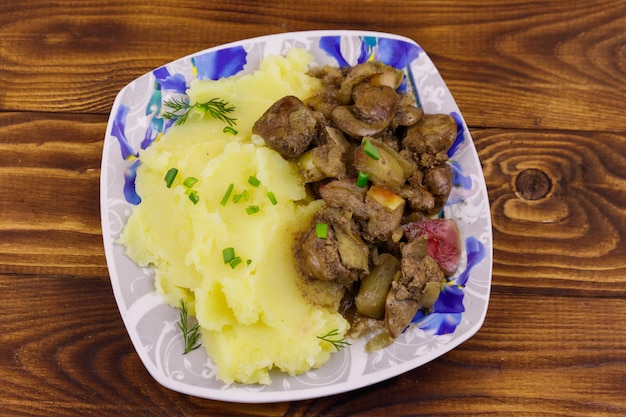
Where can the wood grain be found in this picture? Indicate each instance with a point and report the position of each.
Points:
(576, 233)
(541, 86)
(50, 173)
(547, 64)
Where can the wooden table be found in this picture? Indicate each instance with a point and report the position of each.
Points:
(542, 86)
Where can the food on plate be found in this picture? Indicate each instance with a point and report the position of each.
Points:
(227, 252)
(379, 165)
(442, 240)
(290, 206)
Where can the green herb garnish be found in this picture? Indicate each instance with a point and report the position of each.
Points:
(272, 198)
(321, 230)
(189, 182)
(229, 191)
(228, 254)
(252, 209)
(216, 108)
(370, 150)
(253, 181)
(235, 261)
(170, 176)
(190, 335)
(229, 129)
(230, 258)
(245, 195)
(337, 343)
(362, 178)
(193, 196)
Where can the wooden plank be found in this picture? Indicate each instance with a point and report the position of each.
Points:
(540, 83)
(550, 66)
(49, 197)
(574, 233)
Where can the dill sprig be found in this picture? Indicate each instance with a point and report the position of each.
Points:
(190, 335)
(216, 108)
(337, 343)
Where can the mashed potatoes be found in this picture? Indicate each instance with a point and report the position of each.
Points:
(252, 315)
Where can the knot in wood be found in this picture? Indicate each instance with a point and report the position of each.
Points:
(533, 184)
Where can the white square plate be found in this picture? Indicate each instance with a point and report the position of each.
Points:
(134, 123)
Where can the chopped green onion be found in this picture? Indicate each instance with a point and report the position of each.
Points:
(253, 181)
(370, 150)
(189, 182)
(237, 197)
(230, 258)
(362, 178)
(252, 209)
(248, 262)
(229, 129)
(235, 261)
(227, 195)
(228, 254)
(169, 177)
(272, 198)
(321, 230)
(193, 196)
